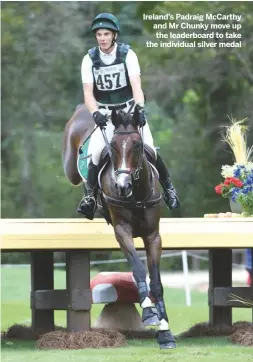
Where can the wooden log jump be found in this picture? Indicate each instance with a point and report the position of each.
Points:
(78, 237)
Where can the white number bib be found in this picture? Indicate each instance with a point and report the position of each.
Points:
(110, 77)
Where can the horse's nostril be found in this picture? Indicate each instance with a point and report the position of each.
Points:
(125, 189)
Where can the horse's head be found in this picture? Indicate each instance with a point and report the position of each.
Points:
(127, 150)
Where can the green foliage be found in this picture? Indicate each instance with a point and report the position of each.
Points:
(246, 201)
(189, 94)
(15, 258)
(198, 88)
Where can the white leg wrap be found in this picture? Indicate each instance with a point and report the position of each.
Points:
(164, 326)
(146, 303)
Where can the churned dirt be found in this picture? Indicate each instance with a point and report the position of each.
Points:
(61, 339)
(239, 333)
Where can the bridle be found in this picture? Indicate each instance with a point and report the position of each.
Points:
(135, 174)
(147, 202)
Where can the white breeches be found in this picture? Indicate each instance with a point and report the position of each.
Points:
(97, 142)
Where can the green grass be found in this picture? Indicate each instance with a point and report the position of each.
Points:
(15, 289)
(213, 350)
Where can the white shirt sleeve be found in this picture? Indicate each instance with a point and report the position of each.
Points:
(86, 70)
(132, 63)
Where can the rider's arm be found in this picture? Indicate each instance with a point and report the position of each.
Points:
(134, 74)
(89, 99)
(138, 95)
(87, 79)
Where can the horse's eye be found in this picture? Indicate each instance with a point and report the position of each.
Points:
(137, 144)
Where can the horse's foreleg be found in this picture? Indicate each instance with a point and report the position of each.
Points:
(125, 240)
(154, 248)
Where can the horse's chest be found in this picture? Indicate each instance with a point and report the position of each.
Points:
(141, 224)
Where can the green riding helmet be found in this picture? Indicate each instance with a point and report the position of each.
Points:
(105, 21)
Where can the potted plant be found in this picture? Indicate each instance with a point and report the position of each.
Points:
(238, 178)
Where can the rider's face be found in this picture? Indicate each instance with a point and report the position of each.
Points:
(104, 39)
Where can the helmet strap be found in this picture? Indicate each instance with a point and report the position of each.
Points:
(114, 38)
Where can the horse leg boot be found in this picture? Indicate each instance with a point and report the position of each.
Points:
(170, 195)
(153, 246)
(149, 312)
(164, 336)
(87, 205)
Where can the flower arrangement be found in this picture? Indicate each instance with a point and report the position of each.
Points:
(238, 178)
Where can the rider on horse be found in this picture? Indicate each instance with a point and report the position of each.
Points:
(111, 79)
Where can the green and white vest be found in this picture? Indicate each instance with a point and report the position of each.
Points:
(111, 82)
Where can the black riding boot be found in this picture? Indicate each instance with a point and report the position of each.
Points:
(170, 195)
(88, 203)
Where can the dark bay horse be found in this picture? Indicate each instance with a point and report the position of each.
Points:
(129, 190)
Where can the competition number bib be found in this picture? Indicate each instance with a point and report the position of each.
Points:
(111, 77)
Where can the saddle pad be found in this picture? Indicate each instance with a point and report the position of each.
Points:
(83, 160)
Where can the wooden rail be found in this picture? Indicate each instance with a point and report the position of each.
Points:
(78, 233)
(77, 237)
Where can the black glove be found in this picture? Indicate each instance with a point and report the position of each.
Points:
(141, 116)
(100, 119)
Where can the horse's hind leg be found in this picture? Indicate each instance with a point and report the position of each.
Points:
(123, 236)
(69, 156)
(154, 248)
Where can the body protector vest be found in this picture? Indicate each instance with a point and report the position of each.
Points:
(111, 82)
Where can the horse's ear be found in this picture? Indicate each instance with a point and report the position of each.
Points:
(114, 117)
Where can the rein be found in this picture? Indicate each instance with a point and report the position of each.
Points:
(135, 174)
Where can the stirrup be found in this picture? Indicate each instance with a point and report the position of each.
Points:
(87, 206)
(88, 199)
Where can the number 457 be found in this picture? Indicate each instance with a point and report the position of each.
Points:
(109, 81)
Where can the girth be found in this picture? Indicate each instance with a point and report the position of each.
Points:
(133, 204)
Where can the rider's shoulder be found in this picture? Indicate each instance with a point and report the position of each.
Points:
(123, 47)
(86, 60)
(131, 56)
(131, 52)
(126, 48)
(92, 52)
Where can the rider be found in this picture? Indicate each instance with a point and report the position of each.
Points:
(111, 79)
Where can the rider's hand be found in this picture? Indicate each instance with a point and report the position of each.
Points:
(99, 118)
(141, 115)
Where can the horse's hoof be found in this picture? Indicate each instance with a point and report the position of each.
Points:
(150, 317)
(169, 345)
(165, 339)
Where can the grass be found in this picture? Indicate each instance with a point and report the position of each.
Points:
(215, 350)
(15, 289)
